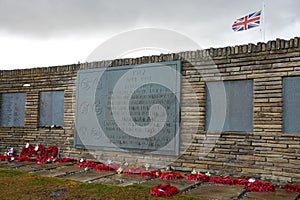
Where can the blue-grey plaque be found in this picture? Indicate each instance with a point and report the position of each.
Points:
(291, 109)
(13, 109)
(51, 108)
(129, 108)
(238, 103)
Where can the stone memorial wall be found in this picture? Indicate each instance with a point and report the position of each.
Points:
(268, 147)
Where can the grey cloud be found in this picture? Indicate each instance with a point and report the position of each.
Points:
(201, 18)
(46, 18)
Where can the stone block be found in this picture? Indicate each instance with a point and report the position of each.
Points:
(249, 157)
(279, 194)
(207, 191)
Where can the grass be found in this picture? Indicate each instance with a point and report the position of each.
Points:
(11, 173)
(19, 185)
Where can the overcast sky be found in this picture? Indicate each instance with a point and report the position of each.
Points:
(41, 33)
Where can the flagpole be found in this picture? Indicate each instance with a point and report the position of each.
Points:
(262, 29)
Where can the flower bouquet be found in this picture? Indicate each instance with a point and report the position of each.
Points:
(242, 181)
(197, 177)
(167, 176)
(223, 180)
(86, 164)
(258, 186)
(108, 166)
(63, 160)
(151, 174)
(292, 188)
(27, 151)
(164, 191)
(134, 168)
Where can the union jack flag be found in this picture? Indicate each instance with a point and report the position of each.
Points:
(249, 21)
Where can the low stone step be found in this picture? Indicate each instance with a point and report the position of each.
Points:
(182, 184)
(121, 180)
(60, 171)
(279, 194)
(89, 176)
(28, 168)
(14, 165)
(70, 170)
(51, 173)
(49, 166)
(220, 192)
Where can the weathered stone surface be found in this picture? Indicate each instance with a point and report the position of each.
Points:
(65, 170)
(28, 169)
(14, 165)
(121, 180)
(181, 184)
(89, 176)
(51, 173)
(279, 194)
(207, 191)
